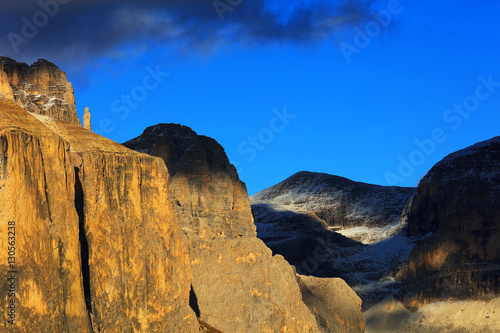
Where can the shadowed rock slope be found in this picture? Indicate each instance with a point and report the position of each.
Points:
(340, 202)
(41, 88)
(304, 241)
(239, 285)
(97, 245)
(301, 238)
(457, 205)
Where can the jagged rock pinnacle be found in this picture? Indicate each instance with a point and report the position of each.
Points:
(5, 88)
(86, 120)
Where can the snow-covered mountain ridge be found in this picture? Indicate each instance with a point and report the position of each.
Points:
(340, 202)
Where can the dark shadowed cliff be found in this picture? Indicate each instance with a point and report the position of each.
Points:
(457, 205)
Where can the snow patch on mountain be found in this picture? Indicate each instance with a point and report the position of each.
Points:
(367, 235)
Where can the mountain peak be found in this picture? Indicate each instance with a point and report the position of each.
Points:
(330, 197)
(41, 88)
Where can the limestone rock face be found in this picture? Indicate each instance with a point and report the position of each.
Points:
(241, 287)
(98, 248)
(341, 202)
(238, 284)
(41, 88)
(37, 191)
(457, 205)
(336, 306)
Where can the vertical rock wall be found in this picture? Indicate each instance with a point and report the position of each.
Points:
(37, 194)
(96, 242)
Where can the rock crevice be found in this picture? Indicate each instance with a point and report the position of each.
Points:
(84, 244)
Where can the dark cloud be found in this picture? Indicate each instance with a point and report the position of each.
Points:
(84, 29)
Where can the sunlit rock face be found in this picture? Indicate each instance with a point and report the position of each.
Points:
(239, 285)
(97, 245)
(457, 205)
(41, 88)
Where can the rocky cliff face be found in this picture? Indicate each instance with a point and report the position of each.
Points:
(100, 238)
(457, 205)
(41, 88)
(239, 285)
(341, 202)
(95, 246)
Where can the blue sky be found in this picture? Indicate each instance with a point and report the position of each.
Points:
(282, 101)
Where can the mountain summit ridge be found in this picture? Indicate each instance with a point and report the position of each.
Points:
(40, 88)
(341, 202)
